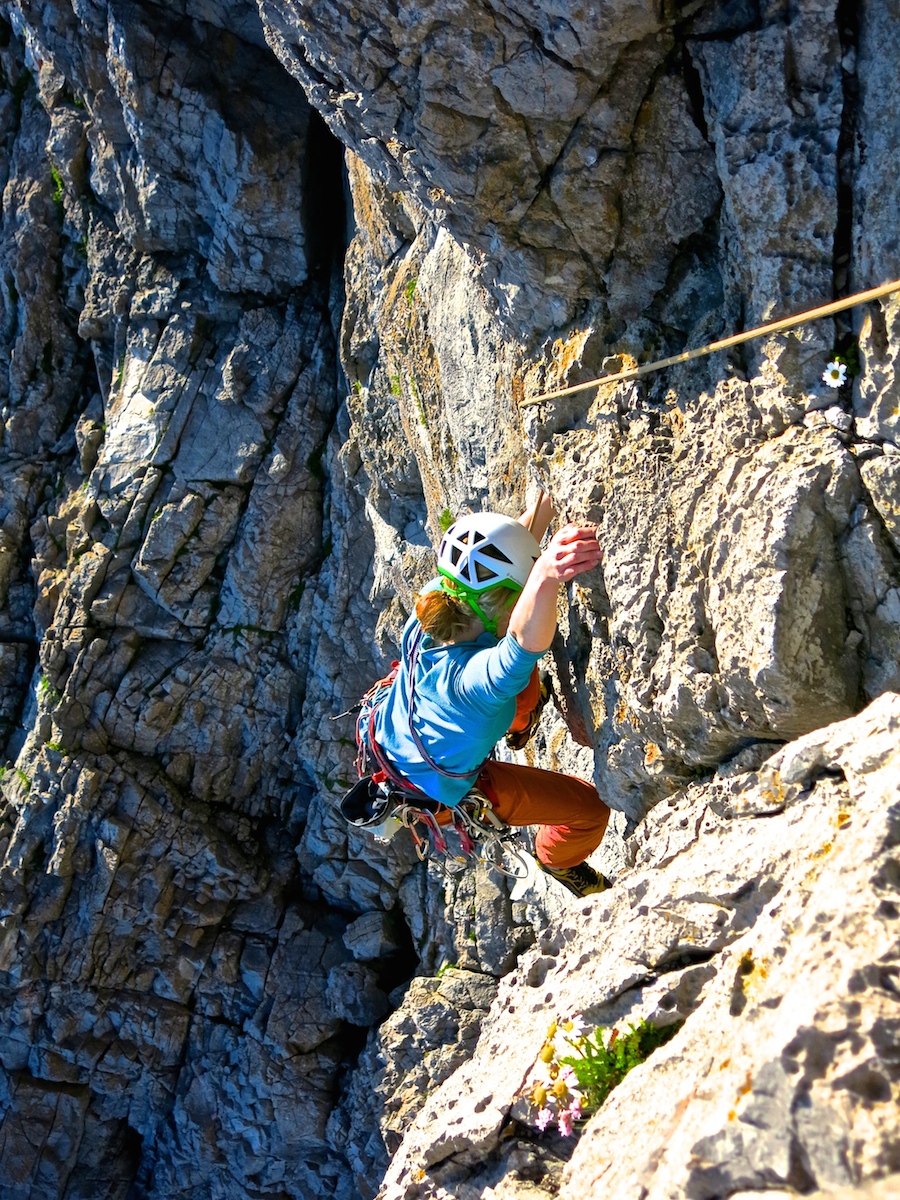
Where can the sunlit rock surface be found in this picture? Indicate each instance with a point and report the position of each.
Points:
(247, 370)
(761, 910)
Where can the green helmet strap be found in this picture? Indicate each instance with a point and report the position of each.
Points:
(469, 596)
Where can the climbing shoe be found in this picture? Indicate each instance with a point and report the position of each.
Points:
(580, 880)
(521, 737)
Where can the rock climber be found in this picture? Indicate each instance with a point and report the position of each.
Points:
(470, 652)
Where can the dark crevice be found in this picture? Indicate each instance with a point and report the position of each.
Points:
(724, 22)
(694, 88)
(847, 20)
(55, 466)
(398, 969)
(685, 958)
(326, 213)
(12, 728)
(27, 1079)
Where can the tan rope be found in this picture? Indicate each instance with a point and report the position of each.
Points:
(814, 314)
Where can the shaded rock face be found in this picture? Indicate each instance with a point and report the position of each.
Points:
(243, 383)
(173, 991)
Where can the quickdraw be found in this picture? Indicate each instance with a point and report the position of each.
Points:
(482, 837)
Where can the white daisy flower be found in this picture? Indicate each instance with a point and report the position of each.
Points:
(835, 374)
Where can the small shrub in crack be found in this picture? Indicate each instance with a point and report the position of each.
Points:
(573, 1086)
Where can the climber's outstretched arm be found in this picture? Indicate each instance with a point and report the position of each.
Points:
(571, 551)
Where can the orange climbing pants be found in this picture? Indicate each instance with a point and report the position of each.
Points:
(571, 815)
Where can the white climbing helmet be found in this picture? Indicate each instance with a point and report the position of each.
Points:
(487, 550)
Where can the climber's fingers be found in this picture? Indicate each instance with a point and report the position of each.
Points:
(571, 551)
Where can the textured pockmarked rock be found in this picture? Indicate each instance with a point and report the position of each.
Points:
(274, 280)
(718, 923)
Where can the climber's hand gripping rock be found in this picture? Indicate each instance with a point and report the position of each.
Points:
(571, 551)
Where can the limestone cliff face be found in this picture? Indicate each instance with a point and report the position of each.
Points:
(277, 281)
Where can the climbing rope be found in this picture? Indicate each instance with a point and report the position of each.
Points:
(813, 314)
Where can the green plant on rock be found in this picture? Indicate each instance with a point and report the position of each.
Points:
(573, 1086)
(58, 186)
(846, 351)
(295, 595)
(420, 407)
(46, 692)
(445, 520)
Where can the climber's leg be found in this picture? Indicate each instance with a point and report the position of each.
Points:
(530, 704)
(526, 702)
(572, 816)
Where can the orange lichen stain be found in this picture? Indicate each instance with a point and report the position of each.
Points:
(622, 715)
(567, 354)
(725, 1064)
(822, 850)
(744, 1090)
(774, 794)
(843, 818)
(652, 754)
(749, 974)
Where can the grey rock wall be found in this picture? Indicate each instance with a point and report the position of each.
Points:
(229, 438)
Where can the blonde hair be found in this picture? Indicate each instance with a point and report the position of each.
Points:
(449, 619)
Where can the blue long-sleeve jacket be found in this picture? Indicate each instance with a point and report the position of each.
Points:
(465, 700)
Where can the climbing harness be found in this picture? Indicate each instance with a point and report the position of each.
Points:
(383, 801)
(813, 314)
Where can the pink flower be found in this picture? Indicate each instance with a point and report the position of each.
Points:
(565, 1123)
(544, 1117)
